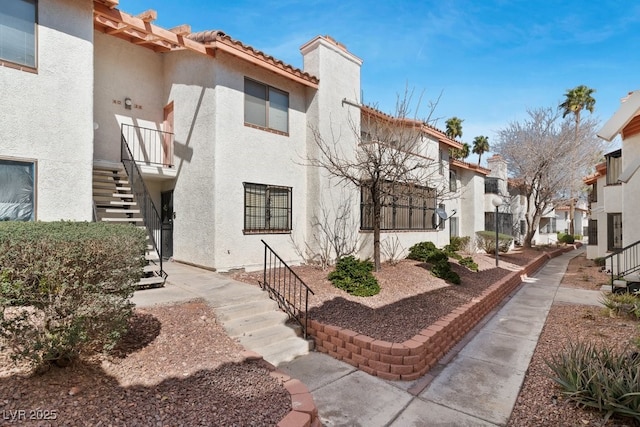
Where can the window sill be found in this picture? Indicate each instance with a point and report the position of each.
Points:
(250, 232)
(415, 230)
(277, 132)
(18, 67)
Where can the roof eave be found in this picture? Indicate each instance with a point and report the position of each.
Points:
(627, 111)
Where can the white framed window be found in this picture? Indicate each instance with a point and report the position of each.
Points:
(266, 106)
(17, 190)
(267, 208)
(18, 21)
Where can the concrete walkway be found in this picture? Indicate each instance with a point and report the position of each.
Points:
(477, 386)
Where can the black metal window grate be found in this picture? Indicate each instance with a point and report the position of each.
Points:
(267, 208)
(592, 232)
(404, 207)
(505, 222)
(491, 186)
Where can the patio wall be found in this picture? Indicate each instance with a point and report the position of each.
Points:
(411, 359)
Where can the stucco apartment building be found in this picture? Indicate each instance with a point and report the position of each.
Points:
(214, 135)
(615, 186)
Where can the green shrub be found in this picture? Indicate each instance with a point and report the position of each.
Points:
(442, 269)
(600, 262)
(595, 377)
(566, 238)
(421, 251)
(458, 243)
(487, 241)
(65, 287)
(355, 277)
(438, 258)
(624, 304)
(469, 263)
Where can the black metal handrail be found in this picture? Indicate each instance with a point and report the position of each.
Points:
(149, 146)
(285, 287)
(627, 261)
(152, 220)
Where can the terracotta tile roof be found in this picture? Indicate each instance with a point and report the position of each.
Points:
(601, 170)
(219, 39)
(425, 127)
(140, 31)
(470, 166)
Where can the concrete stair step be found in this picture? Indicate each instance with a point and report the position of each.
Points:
(110, 186)
(150, 282)
(244, 309)
(267, 336)
(285, 350)
(119, 211)
(232, 294)
(111, 195)
(249, 325)
(132, 220)
(120, 203)
(633, 277)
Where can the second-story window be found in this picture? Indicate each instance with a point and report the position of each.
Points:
(265, 106)
(18, 32)
(491, 185)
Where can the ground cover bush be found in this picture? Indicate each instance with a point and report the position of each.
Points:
(439, 260)
(596, 377)
(566, 238)
(355, 277)
(65, 287)
(486, 241)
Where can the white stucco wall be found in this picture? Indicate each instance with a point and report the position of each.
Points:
(630, 191)
(125, 70)
(339, 74)
(47, 115)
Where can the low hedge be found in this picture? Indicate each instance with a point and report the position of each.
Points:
(65, 287)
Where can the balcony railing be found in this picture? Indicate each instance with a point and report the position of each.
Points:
(149, 146)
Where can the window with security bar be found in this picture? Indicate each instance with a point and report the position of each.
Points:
(267, 208)
(404, 207)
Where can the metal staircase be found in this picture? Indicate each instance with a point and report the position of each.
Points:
(115, 202)
(624, 266)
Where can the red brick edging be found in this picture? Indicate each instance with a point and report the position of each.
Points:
(304, 412)
(411, 359)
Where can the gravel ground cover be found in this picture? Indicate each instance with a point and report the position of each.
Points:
(178, 367)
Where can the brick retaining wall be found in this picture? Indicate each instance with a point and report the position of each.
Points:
(411, 359)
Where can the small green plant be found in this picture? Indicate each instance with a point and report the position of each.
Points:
(438, 258)
(421, 251)
(457, 243)
(566, 238)
(442, 270)
(624, 304)
(487, 241)
(596, 377)
(469, 263)
(355, 277)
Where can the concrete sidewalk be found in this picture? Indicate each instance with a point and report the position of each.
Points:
(477, 386)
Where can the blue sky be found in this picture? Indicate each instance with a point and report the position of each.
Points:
(490, 59)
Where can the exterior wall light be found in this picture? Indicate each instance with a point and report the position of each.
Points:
(127, 103)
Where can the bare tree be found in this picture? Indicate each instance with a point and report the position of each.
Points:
(544, 155)
(393, 159)
(335, 233)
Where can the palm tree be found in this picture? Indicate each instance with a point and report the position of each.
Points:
(454, 127)
(480, 146)
(577, 99)
(464, 152)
